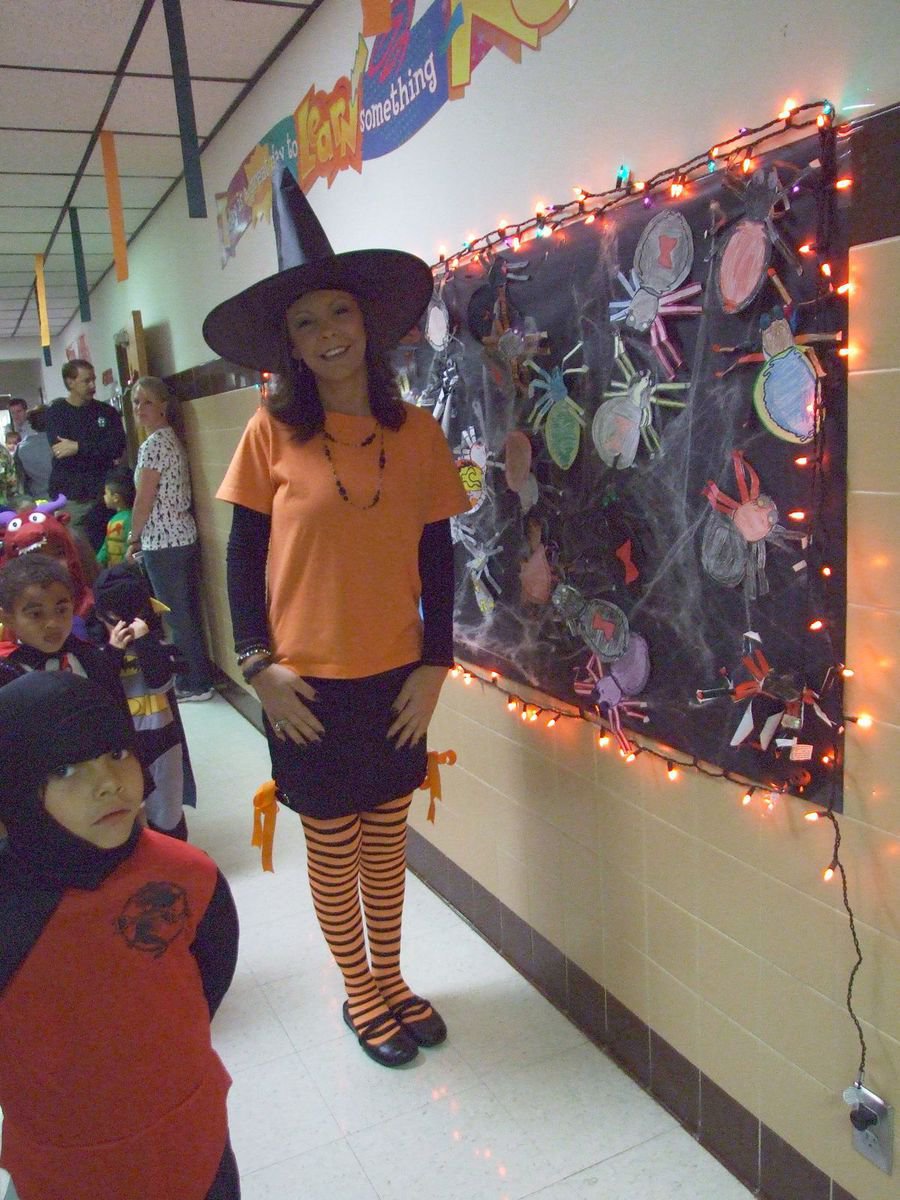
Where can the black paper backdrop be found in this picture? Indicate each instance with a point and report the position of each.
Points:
(653, 513)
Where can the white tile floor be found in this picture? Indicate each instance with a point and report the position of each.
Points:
(516, 1104)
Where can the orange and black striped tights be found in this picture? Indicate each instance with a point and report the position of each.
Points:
(357, 876)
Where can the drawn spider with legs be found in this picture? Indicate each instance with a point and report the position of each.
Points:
(625, 419)
(662, 260)
(555, 411)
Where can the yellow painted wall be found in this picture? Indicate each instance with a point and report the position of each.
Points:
(708, 919)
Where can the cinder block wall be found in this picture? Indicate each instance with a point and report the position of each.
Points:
(708, 920)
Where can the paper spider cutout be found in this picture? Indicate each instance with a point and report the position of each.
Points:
(601, 625)
(781, 698)
(625, 419)
(477, 567)
(742, 260)
(733, 550)
(662, 260)
(614, 688)
(555, 412)
(786, 391)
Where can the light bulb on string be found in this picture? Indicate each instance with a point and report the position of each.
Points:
(467, 679)
(828, 873)
(816, 625)
(671, 770)
(844, 183)
(747, 796)
(787, 112)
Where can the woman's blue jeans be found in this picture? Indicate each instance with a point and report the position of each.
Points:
(174, 575)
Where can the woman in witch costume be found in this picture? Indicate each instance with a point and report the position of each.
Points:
(342, 496)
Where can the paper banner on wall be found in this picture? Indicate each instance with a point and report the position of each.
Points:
(394, 87)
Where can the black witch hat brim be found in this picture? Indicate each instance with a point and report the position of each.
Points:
(249, 328)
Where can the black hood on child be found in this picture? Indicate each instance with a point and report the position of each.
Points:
(49, 719)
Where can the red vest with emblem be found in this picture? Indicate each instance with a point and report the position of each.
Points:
(109, 1085)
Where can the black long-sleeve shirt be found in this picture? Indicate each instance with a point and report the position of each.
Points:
(98, 430)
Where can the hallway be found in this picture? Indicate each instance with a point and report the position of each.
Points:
(516, 1104)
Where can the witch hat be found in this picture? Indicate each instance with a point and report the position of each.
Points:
(249, 328)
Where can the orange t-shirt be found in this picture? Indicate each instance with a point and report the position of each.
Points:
(343, 581)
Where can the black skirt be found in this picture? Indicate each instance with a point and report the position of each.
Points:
(355, 767)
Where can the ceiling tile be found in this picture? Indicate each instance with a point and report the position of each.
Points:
(96, 220)
(144, 192)
(27, 189)
(224, 40)
(46, 100)
(139, 155)
(22, 243)
(28, 220)
(68, 33)
(148, 106)
(50, 151)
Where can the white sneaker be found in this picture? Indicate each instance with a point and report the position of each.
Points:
(194, 697)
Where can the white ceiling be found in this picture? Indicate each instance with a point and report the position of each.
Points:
(70, 68)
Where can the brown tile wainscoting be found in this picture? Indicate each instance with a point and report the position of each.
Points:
(765, 1163)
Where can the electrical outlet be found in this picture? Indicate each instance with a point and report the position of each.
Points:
(873, 1126)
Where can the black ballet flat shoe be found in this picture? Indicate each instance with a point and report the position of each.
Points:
(426, 1031)
(395, 1052)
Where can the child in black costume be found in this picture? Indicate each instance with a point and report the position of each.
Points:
(36, 613)
(116, 947)
(146, 665)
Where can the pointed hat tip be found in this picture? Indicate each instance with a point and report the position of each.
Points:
(299, 238)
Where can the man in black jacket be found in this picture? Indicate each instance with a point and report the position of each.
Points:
(86, 438)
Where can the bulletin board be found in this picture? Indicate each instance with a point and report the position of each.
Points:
(627, 400)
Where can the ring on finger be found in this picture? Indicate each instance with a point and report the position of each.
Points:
(279, 726)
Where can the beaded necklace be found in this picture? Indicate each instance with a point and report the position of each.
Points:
(367, 441)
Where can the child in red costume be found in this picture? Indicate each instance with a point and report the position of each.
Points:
(116, 946)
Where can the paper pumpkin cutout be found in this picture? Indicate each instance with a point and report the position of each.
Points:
(601, 625)
(662, 260)
(555, 410)
(625, 419)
